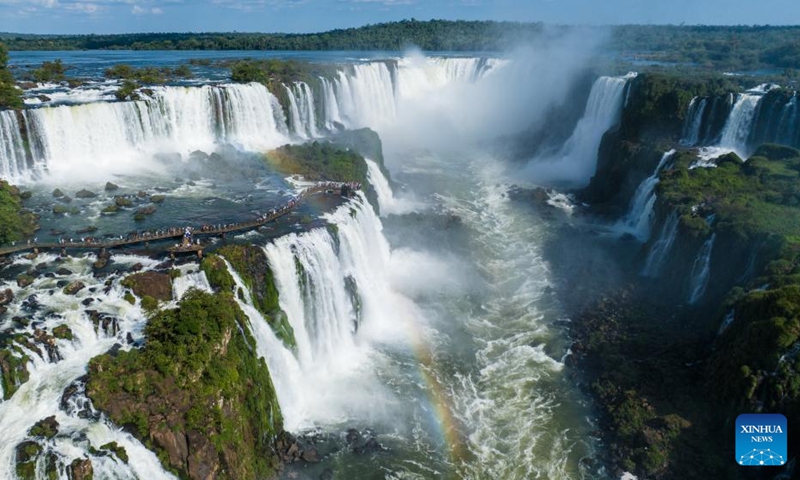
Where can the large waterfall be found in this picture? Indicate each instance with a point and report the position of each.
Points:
(639, 219)
(576, 161)
(119, 137)
(736, 133)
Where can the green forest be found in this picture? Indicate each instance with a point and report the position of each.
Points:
(728, 47)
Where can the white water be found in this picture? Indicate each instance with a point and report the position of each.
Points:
(661, 247)
(330, 377)
(102, 138)
(639, 219)
(13, 162)
(576, 162)
(694, 122)
(701, 270)
(40, 396)
(737, 128)
(387, 201)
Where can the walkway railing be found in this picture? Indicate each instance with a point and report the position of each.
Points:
(178, 232)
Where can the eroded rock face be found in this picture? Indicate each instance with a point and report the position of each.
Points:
(152, 284)
(6, 297)
(186, 402)
(81, 469)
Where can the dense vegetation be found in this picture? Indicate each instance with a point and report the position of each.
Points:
(727, 47)
(15, 222)
(430, 35)
(195, 393)
(9, 94)
(250, 263)
(149, 75)
(273, 73)
(666, 375)
(320, 161)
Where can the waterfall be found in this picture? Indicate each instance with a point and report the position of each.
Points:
(694, 120)
(661, 247)
(56, 367)
(639, 219)
(736, 133)
(577, 160)
(387, 202)
(788, 132)
(13, 159)
(701, 270)
(334, 288)
(301, 110)
(81, 139)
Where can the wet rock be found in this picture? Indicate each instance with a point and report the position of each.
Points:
(109, 210)
(3, 310)
(74, 287)
(85, 194)
(31, 303)
(137, 267)
(153, 284)
(24, 280)
(62, 283)
(87, 301)
(65, 199)
(57, 193)
(129, 338)
(63, 271)
(110, 187)
(122, 202)
(102, 260)
(41, 266)
(148, 210)
(62, 210)
(27, 194)
(6, 296)
(50, 275)
(81, 469)
(47, 428)
(141, 194)
(63, 332)
(310, 455)
(89, 229)
(28, 451)
(158, 198)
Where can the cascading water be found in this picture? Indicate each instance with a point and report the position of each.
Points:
(79, 140)
(575, 163)
(701, 270)
(13, 158)
(387, 202)
(57, 366)
(694, 121)
(639, 219)
(736, 133)
(661, 247)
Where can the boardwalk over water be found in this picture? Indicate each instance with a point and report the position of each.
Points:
(178, 231)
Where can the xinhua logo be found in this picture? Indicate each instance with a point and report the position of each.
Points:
(761, 439)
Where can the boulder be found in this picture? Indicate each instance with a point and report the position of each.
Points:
(153, 284)
(47, 428)
(24, 280)
(158, 198)
(110, 209)
(147, 210)
(6, 296)
(57, 193)
(74, 287)
(123, 202)
(63, 271)
(110, 187)
(81, 469)
(85, 194)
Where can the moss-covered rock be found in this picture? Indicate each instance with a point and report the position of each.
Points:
(150, 284)
(252, 266)
(16, 223)
(13, 371)
(47, 428)
(196, 393)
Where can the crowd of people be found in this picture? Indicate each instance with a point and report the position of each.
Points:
(176, 231)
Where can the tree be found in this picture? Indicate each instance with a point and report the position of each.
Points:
(9, 94)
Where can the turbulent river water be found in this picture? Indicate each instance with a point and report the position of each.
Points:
(431, 327)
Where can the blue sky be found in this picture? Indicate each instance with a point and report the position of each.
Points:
(118, 16)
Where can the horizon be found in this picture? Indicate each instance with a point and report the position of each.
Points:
(104, 17)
